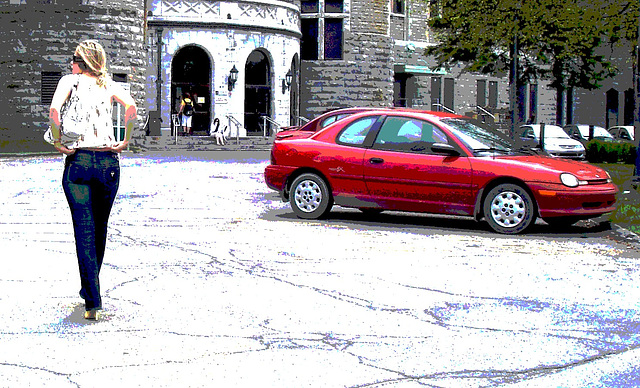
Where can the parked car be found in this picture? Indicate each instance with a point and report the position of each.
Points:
(319, 122)
(580, 132)
(433, 162)
(556, 141)
(622, 133)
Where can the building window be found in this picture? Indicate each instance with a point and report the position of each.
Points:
(322, 33)
(493, 94)
(481, 97)
(448, 98)
(333, 6)
(399, 90)
(48, 83)
(397, 6)
(333, 39)
(435, 8)
(310, 6)
(309, 46)
(533, 104)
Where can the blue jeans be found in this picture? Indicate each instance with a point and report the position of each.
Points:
(90, 182)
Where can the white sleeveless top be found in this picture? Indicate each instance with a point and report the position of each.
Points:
(96, 109)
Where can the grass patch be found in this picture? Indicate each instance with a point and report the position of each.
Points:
(627, 214)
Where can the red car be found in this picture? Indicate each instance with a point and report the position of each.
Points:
(432, 162)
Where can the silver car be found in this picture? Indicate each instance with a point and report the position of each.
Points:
(556, 141)
(622, 133)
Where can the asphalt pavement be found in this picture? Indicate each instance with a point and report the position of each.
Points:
(210, 281)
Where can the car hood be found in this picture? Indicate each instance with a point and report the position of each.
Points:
(546, 164)
(557, 142)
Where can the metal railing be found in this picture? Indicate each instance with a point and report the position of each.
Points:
(268, 119)
(233, 120)
(486, 112)
(443, 107)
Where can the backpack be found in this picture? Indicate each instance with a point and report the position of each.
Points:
(188, 107)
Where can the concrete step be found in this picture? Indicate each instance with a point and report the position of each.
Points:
(202, 143)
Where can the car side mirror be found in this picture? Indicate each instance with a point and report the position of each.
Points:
(442, 148)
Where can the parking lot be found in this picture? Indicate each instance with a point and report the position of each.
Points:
(210, 280)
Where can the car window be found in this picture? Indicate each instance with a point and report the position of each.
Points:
(330, 120)
(528, 133)
(408, 134)
(356, 132)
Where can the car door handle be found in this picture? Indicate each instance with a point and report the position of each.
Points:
(376, 160)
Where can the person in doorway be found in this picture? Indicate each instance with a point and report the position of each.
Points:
(186, 113)
(92, 172)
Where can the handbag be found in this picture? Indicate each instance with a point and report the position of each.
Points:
(72, 126)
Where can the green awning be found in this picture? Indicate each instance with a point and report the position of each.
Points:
(417, 70)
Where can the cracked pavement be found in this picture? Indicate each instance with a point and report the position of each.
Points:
(210, 281)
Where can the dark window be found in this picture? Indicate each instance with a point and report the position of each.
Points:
(333, 39)
(481, 97)
(533, 103)
(436, 91)
(400, 90)
(333, 6)
(435, 8)
(309, 46)
(629, 107)
(120, 77)
(493, 94)
(49, 82)
(397, 6)
(449, 89)
(310, 6)
(612, 96)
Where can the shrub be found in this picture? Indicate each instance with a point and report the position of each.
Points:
(598, 151)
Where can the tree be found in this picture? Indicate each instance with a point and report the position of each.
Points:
(532, 39)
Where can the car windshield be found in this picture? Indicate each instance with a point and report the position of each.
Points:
(551, 131)
(477, 137)
(597, 132)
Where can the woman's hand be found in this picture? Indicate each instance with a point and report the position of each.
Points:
(119, 147)
(63, 149)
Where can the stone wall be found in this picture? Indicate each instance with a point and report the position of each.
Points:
(40, 36)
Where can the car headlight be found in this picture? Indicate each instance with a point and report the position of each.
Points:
(569, 180)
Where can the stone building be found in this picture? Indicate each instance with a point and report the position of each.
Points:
(250, 64)
(38, 39)
(371, 53)
(238, 59)
(298, 59)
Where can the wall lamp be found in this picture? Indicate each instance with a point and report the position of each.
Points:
(233, 77)
(286, 82)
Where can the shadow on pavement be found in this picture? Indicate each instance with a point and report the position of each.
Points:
(419, 223)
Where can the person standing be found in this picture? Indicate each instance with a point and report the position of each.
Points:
(92, 171)
(186, 112)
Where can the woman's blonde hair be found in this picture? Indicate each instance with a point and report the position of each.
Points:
(94, 56)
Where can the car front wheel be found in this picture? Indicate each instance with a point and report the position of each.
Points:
(310, 196)
(509, 209)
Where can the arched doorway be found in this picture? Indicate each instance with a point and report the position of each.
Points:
(257, 97)
(191, 73)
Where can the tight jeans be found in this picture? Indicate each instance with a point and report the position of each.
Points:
(90, 182)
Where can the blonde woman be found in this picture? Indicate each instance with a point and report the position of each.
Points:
(92, 170)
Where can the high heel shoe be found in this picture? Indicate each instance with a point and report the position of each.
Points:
(92, 315)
